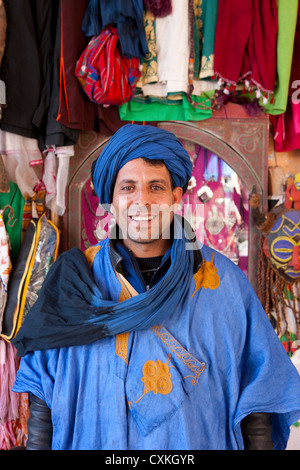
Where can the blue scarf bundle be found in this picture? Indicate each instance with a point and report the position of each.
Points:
(71, 310)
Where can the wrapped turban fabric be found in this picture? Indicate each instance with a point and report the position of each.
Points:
(136, 141)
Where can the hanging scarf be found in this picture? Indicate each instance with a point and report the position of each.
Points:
(128, 18)
(71, 309)
(245, 42)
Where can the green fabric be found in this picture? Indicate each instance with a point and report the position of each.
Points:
(209, 21)
(197, 48)
(151, 109)
(14, 225)
(287, 19)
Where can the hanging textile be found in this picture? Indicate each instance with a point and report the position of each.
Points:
(287, 20)
(55, 176)
(29, 28)
(245, 43)
(5, 265)
(33, 208)
(205, 19)
(12, 431)
(172, 46)
(159, 8)
(70, 107)
(106, 76)
(20, 155)
(4, 183)
(3, 29)
(286, 126)
(152, 109)
(128, 19)
(13, 220)
(149, 69)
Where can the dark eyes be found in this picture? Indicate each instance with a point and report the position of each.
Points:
(154, 187)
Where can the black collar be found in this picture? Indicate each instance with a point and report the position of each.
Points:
(116, 258)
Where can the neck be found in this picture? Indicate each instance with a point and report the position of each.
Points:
(147, 250)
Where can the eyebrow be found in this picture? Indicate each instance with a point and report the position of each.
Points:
(129, 181)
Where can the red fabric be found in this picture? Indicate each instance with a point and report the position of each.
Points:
(76, 111)
(245, 42)
(286, 128)
(104, 74)
(295, 69)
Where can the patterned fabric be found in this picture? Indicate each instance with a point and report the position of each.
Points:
(245, 41)
(5, 266)
(105, 75)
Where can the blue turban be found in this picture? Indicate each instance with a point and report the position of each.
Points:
(136, 141)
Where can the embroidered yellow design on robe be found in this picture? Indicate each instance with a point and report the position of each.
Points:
(127, 291)
(156, 377)
(122, 346)
(196, 367)
(207, 276)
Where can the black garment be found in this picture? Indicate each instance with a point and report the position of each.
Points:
(39, 425)
(257, 431)
(148, 267)
(26, 65)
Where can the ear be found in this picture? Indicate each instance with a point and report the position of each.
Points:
(177, 194)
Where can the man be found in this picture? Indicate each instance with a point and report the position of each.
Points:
(147, 341)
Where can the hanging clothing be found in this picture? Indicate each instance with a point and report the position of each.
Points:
(13, 221)
(29, 28)
(20, 154)
(128, 19)
(207, 18)
(172, 47)
(286, 126)
(245, 43)
(70, 108)
(160, 378)
(55, 176)
(159, 8)
(149, 69)
(5, 267)
(287, 20)
(141, 109)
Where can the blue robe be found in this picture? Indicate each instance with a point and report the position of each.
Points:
(185, 384)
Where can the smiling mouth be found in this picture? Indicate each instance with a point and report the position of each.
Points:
(142, 218)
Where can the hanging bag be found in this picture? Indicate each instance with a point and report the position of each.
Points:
(106, 76)
(38, 252)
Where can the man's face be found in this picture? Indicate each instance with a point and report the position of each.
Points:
(143, 205)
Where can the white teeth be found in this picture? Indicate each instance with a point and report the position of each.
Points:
(142, 218)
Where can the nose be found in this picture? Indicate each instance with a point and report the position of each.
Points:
(143, 197)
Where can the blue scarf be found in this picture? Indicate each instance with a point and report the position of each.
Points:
(71, 310)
